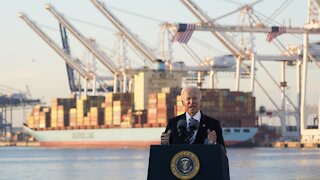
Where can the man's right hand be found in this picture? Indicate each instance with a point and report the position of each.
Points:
(165, 137)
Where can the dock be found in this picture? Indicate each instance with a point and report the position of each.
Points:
(289, 144)
(20, 144)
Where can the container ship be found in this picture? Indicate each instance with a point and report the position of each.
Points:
(114, 119)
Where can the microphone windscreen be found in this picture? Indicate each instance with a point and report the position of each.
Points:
(182, 124)
(194, 124)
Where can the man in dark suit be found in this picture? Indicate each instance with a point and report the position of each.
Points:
(209, 131)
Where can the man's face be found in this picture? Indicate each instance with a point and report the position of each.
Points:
(191, 101)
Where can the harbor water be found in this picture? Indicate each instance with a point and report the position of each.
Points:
(117, 164)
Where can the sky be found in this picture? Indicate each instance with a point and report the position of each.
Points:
(26, 60)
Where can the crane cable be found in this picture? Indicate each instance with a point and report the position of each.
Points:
(279, 10)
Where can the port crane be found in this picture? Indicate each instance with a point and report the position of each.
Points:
(117, 72)
(147, 52)
(312, 27)
(135, 42)
(133, 39)
(11, 98)
(241, 54)
(74, 88)
(70, 71)
(90, 45)
(71, 61)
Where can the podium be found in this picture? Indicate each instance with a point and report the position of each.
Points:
(183, 161)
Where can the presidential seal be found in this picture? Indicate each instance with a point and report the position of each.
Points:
(185, 165)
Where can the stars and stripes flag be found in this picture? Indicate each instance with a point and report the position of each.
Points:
(184, 33)
(275, 32)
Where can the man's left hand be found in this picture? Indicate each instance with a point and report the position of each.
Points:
(212, 136)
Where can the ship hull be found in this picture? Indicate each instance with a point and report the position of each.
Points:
(121, 137)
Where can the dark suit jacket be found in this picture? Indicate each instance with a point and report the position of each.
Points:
(206, 122)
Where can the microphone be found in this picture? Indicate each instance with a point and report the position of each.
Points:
(182, 128)
(193, 125)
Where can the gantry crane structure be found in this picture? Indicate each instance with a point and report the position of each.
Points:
(312, 27)
(131, 39)
(71, 61)
(90, 45)
(74, 83)
(71, 75)
(10, 99)
(149, 54)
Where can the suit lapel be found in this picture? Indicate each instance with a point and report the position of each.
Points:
(201, 130)
(202, 122)
(184, 116)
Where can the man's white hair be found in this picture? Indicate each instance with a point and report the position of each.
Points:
(192, 88)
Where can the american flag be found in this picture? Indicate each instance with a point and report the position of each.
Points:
(184, 33)
(275, 32)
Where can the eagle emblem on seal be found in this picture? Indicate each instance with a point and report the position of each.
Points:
(185, 165)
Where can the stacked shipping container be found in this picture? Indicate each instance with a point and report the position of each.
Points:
(161, 106)
(233, 109)
(152, 108)
(40, 117)
(116, 107)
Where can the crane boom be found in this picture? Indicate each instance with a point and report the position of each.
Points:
(91, 46)
(133, 39)
(247, 29)
(228, 43)
(66, 48)
(67, 57)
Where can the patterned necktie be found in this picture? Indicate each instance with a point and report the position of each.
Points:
(192, 133)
